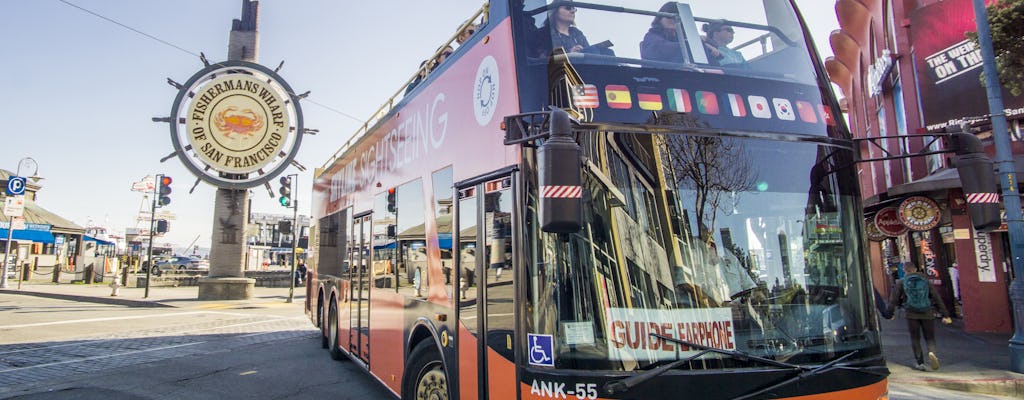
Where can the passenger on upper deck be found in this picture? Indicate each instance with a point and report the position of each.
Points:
(442, 54)
(719, 35)
(468, 29)
(661, 43)
(561, 26)
(420, 75)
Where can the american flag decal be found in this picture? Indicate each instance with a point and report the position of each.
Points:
(982, 197)
(584, 96)
(561, 192)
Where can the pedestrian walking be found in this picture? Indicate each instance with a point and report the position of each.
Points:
(300, 273)
(916, 295)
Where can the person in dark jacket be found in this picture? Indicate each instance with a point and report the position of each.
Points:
(661, 43)
(919, 321)
(560, 28)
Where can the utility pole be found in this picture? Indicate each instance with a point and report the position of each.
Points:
(295, 237)
(152, 221)
(1008, 181)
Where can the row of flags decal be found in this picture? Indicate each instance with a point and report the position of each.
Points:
(706, 102)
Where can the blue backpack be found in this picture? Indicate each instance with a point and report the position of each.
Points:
(916, 289)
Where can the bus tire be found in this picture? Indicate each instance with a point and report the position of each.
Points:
(332, 333)
(429, 379)
(320, 322)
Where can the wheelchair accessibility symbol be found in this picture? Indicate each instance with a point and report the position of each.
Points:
(541, 350)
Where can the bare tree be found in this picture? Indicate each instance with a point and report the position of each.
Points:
(712, 166)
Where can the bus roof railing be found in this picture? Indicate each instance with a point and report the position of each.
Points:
(395, 98)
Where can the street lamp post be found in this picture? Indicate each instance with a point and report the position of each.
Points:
(28, 163)
(1008, 181)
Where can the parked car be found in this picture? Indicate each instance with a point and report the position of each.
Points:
(181, 264)
(158, 258)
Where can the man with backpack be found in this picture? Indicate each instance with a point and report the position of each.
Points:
(920, 300)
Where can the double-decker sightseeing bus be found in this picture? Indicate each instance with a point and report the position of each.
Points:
(608, 199)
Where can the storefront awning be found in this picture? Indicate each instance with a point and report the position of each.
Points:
(97, 240)
(946, 178)
(25, 234)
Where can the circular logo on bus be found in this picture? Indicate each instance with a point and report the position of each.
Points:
(888, 221)
(485, 90)
(919, 213)
(236, 124)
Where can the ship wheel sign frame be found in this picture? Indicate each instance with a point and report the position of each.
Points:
(235, 124)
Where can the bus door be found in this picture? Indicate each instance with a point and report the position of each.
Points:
(359, 335)
(485, 237)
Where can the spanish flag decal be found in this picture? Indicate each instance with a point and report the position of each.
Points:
(618, 96)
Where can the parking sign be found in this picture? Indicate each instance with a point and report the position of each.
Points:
(15, 186)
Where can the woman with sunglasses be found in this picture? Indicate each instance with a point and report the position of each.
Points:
(561, 23)
(719, 35)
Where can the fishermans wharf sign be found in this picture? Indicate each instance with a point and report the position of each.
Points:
(236, 124)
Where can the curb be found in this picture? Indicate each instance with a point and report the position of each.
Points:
(1007, 387)
(90, 299)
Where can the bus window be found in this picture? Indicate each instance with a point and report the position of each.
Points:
(499, 274)
(763, 37)
(411, 251)
(332, 254)
(443, 210)
(467, 260)
(384, 241)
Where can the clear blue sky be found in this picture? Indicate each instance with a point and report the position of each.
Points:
(79, 90)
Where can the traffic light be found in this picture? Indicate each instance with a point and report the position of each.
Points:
(162, 226)
(285, 191)
(284, 227)
(391, 201)
(164, 191)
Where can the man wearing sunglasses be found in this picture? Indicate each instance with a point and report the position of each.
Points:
(717, 39)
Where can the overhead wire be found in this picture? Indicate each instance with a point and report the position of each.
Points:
(197, 55)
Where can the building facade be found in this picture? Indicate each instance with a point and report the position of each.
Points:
(907, 74)
(40, 238)
(270, 245)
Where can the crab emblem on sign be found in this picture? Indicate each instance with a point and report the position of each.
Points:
(231, 121)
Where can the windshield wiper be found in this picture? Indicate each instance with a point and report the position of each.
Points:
(622, 385)
(803, 375)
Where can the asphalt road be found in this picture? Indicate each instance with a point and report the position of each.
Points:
(59, 349)
(262, 349)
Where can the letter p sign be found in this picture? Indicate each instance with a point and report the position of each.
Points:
(15, 186)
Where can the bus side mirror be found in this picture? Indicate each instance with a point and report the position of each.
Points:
(978, 179)
(560, 177)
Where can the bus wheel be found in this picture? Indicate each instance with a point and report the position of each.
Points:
(320, 323)
(332, 333)
(430, 381)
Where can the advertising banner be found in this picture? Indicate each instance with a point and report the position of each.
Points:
(630, 332)
(949, 66)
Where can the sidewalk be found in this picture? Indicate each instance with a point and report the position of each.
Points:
(971, 362)
(159, 296)
(977, 363)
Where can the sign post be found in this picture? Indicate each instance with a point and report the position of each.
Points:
(14, 206)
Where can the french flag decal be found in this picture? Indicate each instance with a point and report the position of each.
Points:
(737, 106)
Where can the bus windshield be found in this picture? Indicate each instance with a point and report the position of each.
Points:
(712, 240)
(749, 37)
